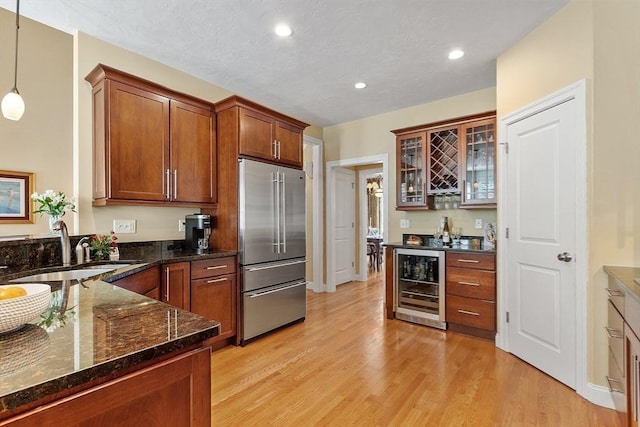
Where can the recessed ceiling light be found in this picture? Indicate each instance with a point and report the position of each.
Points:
(283, 30)
(360, 85)
(456, 54)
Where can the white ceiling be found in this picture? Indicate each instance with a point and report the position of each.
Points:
(399, 47)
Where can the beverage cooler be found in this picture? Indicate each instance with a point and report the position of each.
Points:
(419, 294)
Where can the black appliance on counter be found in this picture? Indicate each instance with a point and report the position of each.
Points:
(197, 231)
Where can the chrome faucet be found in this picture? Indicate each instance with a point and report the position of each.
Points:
(80, 258)
(64, 242)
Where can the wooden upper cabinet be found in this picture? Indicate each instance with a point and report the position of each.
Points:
(193, 153)
(137, 140)
(264, 134)
(454, 156)
(151, 145)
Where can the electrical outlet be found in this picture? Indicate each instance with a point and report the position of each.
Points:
(124, 226)
(478, 222)
(181, 225)
(404, 223)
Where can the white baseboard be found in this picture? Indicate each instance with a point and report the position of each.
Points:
(601, 396)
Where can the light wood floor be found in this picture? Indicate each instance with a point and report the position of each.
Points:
(347, 365)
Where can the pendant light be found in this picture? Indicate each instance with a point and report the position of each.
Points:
(12, 103)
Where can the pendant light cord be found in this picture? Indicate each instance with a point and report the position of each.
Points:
(15, 74)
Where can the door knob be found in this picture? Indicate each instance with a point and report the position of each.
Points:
(565, 256)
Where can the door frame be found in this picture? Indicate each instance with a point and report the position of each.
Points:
(364, 227)
(315, 172)
(331, 183)
(577, 92)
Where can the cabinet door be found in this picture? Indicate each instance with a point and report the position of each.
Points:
(410, 171)
(632, 375)
(289, 144)
(137, 144)
(174, 392)
(444, 160)
(176, 289)
(478, 164)
(145, 282)
(257, 135)
(215, 299)
(193, 154)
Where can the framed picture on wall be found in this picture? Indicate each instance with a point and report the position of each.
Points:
(15, 197)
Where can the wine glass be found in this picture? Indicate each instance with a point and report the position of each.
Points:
(437, 234)
(456, 233)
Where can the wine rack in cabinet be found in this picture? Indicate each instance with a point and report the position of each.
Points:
(455, 156)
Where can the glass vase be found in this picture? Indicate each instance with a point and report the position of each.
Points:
(52, 221)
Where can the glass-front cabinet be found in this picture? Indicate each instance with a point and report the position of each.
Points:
(479, 164)
(410, 168)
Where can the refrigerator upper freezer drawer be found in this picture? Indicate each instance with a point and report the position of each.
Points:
(272, 307)
(269, 274)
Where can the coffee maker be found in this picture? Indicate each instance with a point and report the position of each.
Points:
(197, 232)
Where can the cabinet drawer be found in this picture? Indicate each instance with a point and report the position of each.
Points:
(472, 312)
(466, 282)
(471, 260)
(212, 267)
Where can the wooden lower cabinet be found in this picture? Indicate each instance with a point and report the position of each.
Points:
(146, 283)
(174, 392)
(176, 287)
(471, 293)
(214, 293)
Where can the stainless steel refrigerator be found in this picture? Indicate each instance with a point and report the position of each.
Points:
(272, 247)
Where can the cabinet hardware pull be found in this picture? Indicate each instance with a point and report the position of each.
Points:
(636, 379)
(470, 313)
(168, 178)
(469, 283)
(276, 266)
(175, 184)
(613, 332)
(217, 280)
(167, 286)
(260, 294)
(614, 380)
(614, 292)
(274, 149)
(469, 261)
(279, 149)
(216, 267)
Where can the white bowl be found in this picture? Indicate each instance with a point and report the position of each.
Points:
(15, 312)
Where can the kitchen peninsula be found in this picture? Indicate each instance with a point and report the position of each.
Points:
(108, 354)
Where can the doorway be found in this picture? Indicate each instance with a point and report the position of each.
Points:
(372, 220)
(331, 167)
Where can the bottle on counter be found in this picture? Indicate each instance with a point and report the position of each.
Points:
(446, 238)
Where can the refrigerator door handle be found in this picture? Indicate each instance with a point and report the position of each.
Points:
(261, 294)
(276, 191)
(276, 266)
(283, 213)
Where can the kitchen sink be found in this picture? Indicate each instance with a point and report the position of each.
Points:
(83, 273)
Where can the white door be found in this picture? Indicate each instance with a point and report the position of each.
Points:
(541, 245)
(344, 222)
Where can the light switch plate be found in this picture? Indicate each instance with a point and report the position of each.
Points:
(404, 223)
(479, 223)
(124, 226)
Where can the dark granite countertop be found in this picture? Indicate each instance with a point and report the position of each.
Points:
(104, 330)
(455, 248)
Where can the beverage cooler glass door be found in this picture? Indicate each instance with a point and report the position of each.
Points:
(419, 286)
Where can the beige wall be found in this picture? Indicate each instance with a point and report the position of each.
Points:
(41, 141)
(600, 42)
(372, 136)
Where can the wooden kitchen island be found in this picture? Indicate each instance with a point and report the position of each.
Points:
(120, 359)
